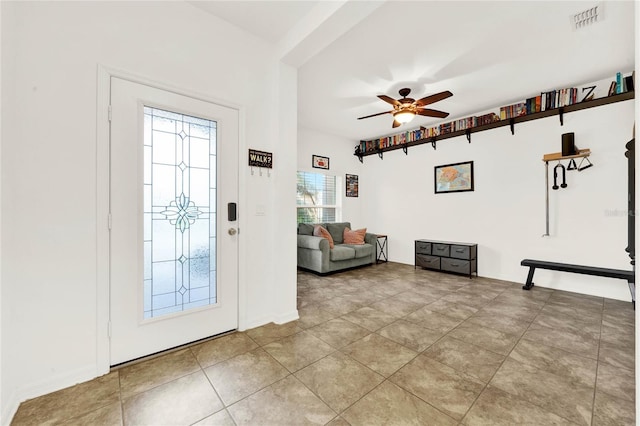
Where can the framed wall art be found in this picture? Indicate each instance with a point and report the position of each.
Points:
(456, 177)
(351, 185)
(320, 162)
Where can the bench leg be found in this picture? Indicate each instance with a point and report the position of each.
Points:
(529, 283)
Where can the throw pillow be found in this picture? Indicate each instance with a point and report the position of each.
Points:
(354, 237)
(319, 231)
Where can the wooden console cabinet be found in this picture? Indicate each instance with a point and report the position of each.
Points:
(459, 258)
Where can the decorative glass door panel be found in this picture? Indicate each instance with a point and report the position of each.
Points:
(179, 212)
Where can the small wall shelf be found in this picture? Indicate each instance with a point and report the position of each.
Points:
(508, 122)
(557, 156)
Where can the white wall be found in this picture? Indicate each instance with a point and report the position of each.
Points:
(505, 214)
(341, 162)
(50, 56)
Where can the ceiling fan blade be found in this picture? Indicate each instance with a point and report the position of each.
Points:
(395, 124)
(374, 115)
(433, 98)
(432, 113)
(389, 100)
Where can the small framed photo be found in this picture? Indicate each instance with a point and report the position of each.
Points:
(351, 185)
(320, 162)
(456, 177)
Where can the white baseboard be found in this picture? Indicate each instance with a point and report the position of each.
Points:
(288, 317)
(43, 387)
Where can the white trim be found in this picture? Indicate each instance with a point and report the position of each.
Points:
(288, 317)
(103, 259)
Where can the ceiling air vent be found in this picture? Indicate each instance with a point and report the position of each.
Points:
(587, 17)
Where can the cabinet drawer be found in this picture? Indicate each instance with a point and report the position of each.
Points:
(460, 252)
(427, 261)
(456, 265)
(423, 247)
(440, 249)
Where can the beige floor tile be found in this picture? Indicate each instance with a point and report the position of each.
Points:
(617, 333)
(411, 335)
(71, 402)
(146, 375)
(556, 361)
(183, 401)
(616, 382)
(298, 351)
(609, 411)
(340, 305)
(501, 323)
(497, 408)
(451, 309)
(448, 390)
(244, 374)
(312, 316)
(474, 300)
(389, 404)
(338, 421)
(617, 355)
(396, 306)
(221, 418)
(569, 323)
(380, 354)
(484, 337)
(287, 402)
(338, 332)
(466, 358)
(587, 314)
(223, 348)
(339, 380)
(579, 343)
(560, 395)
(270, 332)
(111, 415)
(509, 309)
(433, 320)
(369, 318)
(416, 297)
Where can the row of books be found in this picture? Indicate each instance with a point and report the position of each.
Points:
(545, 101)
(424, 133)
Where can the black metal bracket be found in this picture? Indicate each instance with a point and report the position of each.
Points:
(433, 142)
(468, 133)
(511, 123)
(380, 154)
(561, 115)
(404, 149)
(360, 158)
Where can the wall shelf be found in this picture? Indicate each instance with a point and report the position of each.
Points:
(502, 123)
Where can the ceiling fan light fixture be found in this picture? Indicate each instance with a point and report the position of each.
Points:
(404, 116)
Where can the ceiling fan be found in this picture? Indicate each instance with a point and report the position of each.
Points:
(406, 108)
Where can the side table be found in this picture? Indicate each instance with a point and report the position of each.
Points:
(382, 251)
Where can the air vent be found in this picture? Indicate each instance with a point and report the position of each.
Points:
(588, 17)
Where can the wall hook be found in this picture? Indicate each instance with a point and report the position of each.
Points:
(511, 123)
(404, 148)
(468, 133)
(561, 115)
(380, 154)
(433, 142)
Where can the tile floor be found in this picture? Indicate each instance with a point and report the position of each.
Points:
(384, 345)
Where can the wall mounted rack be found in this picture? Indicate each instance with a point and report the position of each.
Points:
(502, 123)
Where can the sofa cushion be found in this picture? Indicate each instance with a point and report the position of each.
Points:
(305, 229)
(363, 250)
(342, 252)
(337, 230)
(354, 237)
(319, 231)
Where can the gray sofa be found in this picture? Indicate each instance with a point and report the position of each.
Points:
(314, 253)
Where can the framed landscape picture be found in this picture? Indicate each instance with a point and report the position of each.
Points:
(352, 185)
(320, 162)
(456, 177)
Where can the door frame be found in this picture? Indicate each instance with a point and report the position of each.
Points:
(103, 177)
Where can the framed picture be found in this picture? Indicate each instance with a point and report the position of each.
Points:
(456, 177)
(320, 162)
(352, 185)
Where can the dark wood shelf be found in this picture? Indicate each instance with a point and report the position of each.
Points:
(507, 122)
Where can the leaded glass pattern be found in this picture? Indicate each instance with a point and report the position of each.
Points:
(179, 212)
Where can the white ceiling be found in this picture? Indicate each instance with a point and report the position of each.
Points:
(487, 53)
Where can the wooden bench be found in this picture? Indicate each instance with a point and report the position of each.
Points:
(579, 269)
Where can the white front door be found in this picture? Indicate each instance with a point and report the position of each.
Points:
(174, 250)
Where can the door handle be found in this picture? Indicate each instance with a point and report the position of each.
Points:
(232, 231)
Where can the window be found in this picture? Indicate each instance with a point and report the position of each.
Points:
(316, 199)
